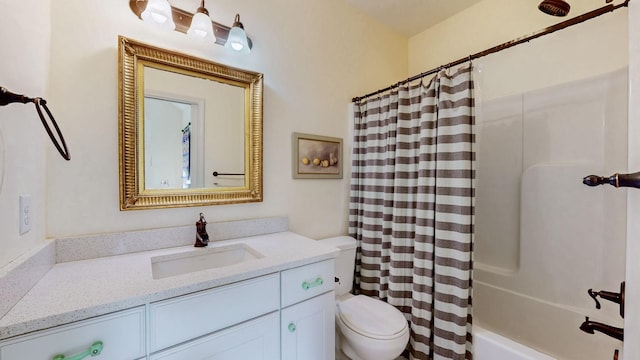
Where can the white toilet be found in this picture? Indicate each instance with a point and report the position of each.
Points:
(366, 328)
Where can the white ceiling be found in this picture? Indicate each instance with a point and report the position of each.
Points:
(411, 17)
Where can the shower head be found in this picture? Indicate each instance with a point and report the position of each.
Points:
(554, 7)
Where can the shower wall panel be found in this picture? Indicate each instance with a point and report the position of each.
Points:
(499, 155)
(543, 238)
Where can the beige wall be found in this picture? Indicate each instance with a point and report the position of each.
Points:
(315, 55)
(24, 67)
(594, 48)
(312, 67)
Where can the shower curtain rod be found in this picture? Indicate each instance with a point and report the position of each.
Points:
(565, 24)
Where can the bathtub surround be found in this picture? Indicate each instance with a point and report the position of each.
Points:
(412, 196)
(542, 237)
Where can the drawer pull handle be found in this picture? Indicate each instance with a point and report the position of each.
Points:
(308, 285)
(93, 350)
(292, 327)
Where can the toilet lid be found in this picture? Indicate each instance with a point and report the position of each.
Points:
(371, 317)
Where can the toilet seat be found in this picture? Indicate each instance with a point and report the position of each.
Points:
(372, 318)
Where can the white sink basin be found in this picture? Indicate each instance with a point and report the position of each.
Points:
(200, 259)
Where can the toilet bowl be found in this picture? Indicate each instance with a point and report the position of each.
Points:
(370, 329)
(366, 328)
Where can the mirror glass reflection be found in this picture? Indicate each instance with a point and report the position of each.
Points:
(193, 127)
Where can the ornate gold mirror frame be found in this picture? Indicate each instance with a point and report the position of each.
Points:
(133, 56)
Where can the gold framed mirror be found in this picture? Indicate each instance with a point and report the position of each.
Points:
(190, 130)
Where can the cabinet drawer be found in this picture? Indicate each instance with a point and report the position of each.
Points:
(307, 281)
(255, 340)
(122, 336)
(177, 320)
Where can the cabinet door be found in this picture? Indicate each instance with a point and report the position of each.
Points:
(256, 340)
(308, 329)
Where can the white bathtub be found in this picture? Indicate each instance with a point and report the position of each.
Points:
(491, 346)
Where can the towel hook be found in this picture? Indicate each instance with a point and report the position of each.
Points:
(7, 97)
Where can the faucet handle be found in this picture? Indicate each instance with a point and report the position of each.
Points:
(594, 297)
(617, 180)
(616, 297)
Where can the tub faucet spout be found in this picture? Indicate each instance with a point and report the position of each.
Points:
(592, 326)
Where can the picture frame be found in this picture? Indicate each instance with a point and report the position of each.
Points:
(316, 156)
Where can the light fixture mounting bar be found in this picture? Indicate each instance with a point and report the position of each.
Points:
(182, 19)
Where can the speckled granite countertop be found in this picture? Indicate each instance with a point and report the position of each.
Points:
(77, 290)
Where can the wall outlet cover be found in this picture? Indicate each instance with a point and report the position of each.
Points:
(26, 216)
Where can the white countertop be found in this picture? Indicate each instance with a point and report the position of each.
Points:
(78, 290)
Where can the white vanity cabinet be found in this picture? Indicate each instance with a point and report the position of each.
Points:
(188, 317)
(307, 324)
(122, 337)
(287, 314)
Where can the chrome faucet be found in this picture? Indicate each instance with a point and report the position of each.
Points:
(592, 326)
(202, 238)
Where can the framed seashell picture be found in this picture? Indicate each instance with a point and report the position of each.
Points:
(316, 157)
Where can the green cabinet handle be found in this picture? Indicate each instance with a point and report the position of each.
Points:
(308, 285)
(93, 350)
(292, 327)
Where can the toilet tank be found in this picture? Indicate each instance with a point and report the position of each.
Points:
(345, 262)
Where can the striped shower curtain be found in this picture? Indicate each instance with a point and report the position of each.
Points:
(411, 208)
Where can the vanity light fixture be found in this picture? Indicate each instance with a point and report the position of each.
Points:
(158, 13)
(201, 25)
(237, 39)
(163, 15)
